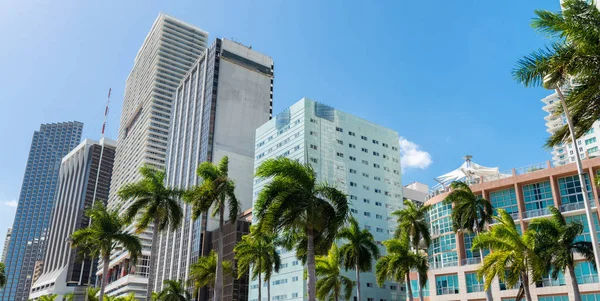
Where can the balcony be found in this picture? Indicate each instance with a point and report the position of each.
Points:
(547, 282)
(446, 264)
(447, 290)
(470, 261)
(588, 279)
(576, 206)
(537, 212)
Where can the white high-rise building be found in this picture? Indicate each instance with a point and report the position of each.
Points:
(6, 241)
(170, 49)
(564, 154)
(360, 157)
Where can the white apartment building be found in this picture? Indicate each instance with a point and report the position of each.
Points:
(360, 157)
(168, 52)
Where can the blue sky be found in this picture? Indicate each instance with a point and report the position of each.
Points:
(438, 72)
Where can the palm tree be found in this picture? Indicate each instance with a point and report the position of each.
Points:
(293, 201)
(68, 296)
(105, 233)
(152, 201)
(412, 222)
(91, 293)
(513, 258)
(203, 272)
(330, 281)
(258, 250)
(556, 241)
(359, 251)
(174, 291)
(156, 296)
(470, 213)
(398, 262)
(574, 57)
(217, 191)
(48, 297)
(2, 275)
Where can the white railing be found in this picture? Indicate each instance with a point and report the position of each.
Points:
(469, 261)
(531, 168)
(475, 288)
(546, 282)
(447, 290)
(589, 279)
(537, 212)
(571, 206)
(445, 264)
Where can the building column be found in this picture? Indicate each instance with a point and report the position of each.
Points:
(594, 187)
(520, 205)
(555, 192)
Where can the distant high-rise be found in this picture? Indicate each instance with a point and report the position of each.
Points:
(361, 158)
(49, 145)
(219, 104)
(84, 178)
(6, 241)
(170, 49)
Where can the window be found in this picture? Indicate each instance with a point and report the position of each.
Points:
(365, 162)
(375, 141)
(592, 150)
(585, 273)
(376, 165)
(557, 298)
(295, 263)
(351, 134)
(446, 284)
(377, 190)
(353, 197)
(352, 158)
(352, 145)
(393, 287)
(295, 278)
(589, 141)
(352, 184)
(313, 146)
(280, 281)
(365, 150)
(377, 178)
(295, 295)
(366, 187)
(570, 189)
(314, 160)
(385, 144)
(339, 155)
(379, 230)
(473, 285)
(505, 199)
(311, 120)
(368, 227)
(352, 170)
(394, 148)
(366, 175)
(339, 130)
(313, 133)
(367, 214)
(537, 196)
(376, 154)
(369, 284)
(378, 216)
(353, 210)
(340, 142)
(377, 203)
(363, 138)
(366, 201)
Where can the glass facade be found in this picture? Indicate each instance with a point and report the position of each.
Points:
(585, 273)
(446, 284)
(537, 197)
(590, 297)
(570, 189)
(585, 235)
(505, 199)
(473, 285)
(414, 285)
(554, 298)
(36, 200)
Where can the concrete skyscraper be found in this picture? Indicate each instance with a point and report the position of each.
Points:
(359, 157)
(170, 49)
(84, 178)
(225, 96)
(49, 145)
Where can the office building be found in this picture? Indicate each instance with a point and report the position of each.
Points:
(6, 241)
(168, 52)
(525, 193)
(416, 192)
(360, 157)
(36, 200)
(84, 178)
(225, 96)
(564, 153)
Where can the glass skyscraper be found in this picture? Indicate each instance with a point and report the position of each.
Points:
(49, 145)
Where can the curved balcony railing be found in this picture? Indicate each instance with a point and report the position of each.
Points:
(537, 212)
(470, 261)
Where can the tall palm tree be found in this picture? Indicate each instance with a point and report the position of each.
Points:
(513, 258)
(258, 251)
(152, 202)
(331, 283)
(470, 213)
(398, 262)
(105, 233)
(556, 241)
(48, 297)
(91, 293)
(203, 272)
(575, 57)
(2, 275)
(174, 290)
(68, 296)
(412, 222)
(293, 201)
(359, 251)
(217, 191)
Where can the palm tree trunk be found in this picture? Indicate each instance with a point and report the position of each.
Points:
(488, 292)
(409, 294)
(259, 282)
(268, 289)
(357, 281)
(310, 263)
(105, 263)
(574, 283)
(421, 292)
(219, 273)
(153, 257)
(416, 250)
(525, 283)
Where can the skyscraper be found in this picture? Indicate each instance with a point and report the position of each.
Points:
(49, 145)
(219, 104)
(84, 178)
(170, 49)
(361, 158)
(6, 241)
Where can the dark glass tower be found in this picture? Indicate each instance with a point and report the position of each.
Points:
(49, 145)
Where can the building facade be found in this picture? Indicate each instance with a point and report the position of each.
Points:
(6, 241)
(168, 52)
(359, 157)
(84, 178)
(225, 96)
(564, 153)
(36, 200)
(524, 193)
(416, 192)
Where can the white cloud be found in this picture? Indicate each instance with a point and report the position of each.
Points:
(9, 203)
(411, 155)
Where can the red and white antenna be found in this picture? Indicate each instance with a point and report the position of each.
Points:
(105, 113)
